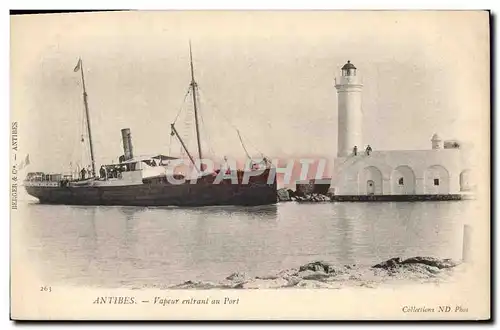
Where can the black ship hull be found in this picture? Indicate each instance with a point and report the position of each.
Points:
(159, 194)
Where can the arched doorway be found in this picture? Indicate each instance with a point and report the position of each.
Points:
(370, 181)
(370, 187)
(403, 181)
(465, 180)
(436, 180)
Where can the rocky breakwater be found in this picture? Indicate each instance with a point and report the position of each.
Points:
(313, 198)
(324, 275)
(288, 195)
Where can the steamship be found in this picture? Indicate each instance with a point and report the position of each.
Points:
(153, 180)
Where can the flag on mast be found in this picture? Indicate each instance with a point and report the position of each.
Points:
(77, 67)
(25, 162)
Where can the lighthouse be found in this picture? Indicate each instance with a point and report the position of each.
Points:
(350, 118)
(440, 172)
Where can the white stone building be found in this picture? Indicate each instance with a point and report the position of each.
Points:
(443, 169)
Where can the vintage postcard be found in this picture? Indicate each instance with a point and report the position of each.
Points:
(250, 165)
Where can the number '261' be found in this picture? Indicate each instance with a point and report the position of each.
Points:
(46, 288)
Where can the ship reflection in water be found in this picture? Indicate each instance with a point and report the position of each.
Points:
(136, 247)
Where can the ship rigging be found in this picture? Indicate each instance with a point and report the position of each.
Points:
(194, 91)
(79, 67)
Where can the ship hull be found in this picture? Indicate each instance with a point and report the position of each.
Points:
(199, 194)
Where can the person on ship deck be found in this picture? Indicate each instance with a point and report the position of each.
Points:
(83, 172)
(102, 172)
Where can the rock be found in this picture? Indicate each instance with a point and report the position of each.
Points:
(368, 285)
(308, 284)
(290, 195)
(430, 261)
(415, 271)
(267, 277)
(312, 275)
(337, 270)
(292, 280)
(287, 272)
(391, 263)
(237, 277)
(283, 195)
(315, 266)
(196, 285)
(265, 284)
(321, 266)
(309, 198)
(313, 198)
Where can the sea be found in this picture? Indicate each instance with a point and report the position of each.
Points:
(114, 246)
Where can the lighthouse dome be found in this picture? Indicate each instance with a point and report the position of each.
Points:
(348, 69)
(436, 142)
(348, 66)
(436, 137)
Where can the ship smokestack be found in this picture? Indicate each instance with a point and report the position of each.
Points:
(127, 144)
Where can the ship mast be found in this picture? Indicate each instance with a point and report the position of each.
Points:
(85, 103)
(174, 132)
(195, 104)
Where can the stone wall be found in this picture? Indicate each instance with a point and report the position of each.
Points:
(304, 187)
(401, 172)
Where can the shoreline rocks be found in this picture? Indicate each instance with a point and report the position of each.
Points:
(288, 195)
(429, 261)
(313, 198)
(321, 275)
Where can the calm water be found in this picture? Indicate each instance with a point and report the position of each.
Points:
(132, 247)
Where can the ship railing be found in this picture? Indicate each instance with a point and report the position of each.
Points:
(34, 183)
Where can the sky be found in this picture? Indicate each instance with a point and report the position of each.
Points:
(268, 74)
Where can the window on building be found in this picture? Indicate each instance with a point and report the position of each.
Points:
(401, 181)
(436, 182)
